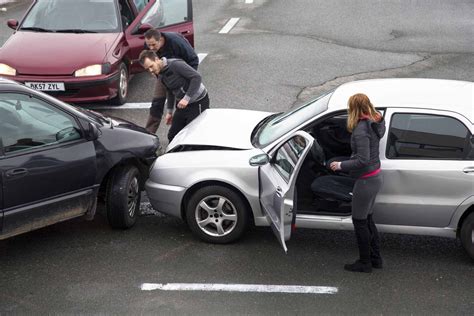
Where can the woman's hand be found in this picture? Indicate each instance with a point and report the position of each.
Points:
(335, 165)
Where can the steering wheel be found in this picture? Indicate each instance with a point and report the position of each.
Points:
(317, 153)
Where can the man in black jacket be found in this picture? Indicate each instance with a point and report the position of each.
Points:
(169, 45)
(183, 84)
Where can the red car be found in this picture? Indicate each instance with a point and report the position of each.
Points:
(86, 50)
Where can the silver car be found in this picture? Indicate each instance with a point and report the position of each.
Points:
(230, 168)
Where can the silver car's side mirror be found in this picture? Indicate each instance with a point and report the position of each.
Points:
(259, 160)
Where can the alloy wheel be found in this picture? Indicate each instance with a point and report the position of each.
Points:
(123, 83)
(216, 215)
(132, 196)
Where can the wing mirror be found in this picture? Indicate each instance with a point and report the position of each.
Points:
(93, 132)
(143, 28)
(259, 160)
(12, 23)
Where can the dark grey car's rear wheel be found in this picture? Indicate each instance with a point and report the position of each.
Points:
(467, 235)
(123, 197)
(217, 214)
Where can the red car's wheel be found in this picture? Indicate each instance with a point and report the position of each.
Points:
(122, 86)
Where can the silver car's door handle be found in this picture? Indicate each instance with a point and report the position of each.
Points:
(279, 191)
(468, 170)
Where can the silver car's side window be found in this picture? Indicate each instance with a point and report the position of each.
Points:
(427, 136)
(28, 123)
(286, 157)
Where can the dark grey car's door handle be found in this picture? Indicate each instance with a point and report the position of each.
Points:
(468, 170)
(16, 172)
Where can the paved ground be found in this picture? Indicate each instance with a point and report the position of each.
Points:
(279, 54)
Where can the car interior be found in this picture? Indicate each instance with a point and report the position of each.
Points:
(315, 192)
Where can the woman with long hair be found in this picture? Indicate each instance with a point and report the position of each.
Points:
(367, 127)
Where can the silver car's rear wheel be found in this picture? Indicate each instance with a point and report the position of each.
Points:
(217, 214)
(467, 235)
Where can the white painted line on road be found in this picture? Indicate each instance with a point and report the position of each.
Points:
(126, 106)
(248, 1)
(201, 57)
(229, 25)
(258, 288)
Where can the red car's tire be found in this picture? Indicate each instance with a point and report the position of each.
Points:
(122, 86)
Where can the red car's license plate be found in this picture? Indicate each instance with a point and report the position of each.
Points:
(46, 86)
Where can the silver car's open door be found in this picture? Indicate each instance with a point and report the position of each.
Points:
(277, 182)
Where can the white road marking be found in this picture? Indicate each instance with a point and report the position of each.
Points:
(126, 106)
(259, 288)
(248, 1)
(229, 25)
(201, 57)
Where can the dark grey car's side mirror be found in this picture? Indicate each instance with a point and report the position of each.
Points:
(12, 23)
(92, 132)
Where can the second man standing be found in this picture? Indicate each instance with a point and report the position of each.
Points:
(183, 84)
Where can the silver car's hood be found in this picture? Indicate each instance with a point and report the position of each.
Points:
(229, 128)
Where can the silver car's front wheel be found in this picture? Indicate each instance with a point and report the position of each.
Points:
(217, 214)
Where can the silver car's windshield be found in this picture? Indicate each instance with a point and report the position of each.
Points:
(287, 121)
(72, 16)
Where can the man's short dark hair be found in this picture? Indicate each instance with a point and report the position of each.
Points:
(153, 33)
(146, 54)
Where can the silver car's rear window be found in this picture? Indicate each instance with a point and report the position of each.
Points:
(287, 121)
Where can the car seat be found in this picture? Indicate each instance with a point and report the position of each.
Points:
(333, 187)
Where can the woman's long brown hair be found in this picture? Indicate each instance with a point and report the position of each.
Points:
(359, 107)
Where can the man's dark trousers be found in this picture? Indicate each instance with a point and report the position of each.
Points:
(183, 117)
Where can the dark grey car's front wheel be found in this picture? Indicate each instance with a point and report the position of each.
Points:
(217, 214)
(467, 235)
(123, 197)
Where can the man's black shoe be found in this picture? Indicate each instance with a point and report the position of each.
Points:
(359, 266)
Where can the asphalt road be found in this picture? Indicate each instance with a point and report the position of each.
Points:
(279, 54)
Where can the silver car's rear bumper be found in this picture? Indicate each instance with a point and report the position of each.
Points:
(165, 198)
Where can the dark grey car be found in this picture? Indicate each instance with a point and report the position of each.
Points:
(56, 160)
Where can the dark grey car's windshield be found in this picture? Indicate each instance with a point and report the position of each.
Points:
(285, 122)
(73, 16)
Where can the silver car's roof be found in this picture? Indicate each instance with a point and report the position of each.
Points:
(436, 94)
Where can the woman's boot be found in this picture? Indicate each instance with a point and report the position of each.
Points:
(375, 256)
(362, 233)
